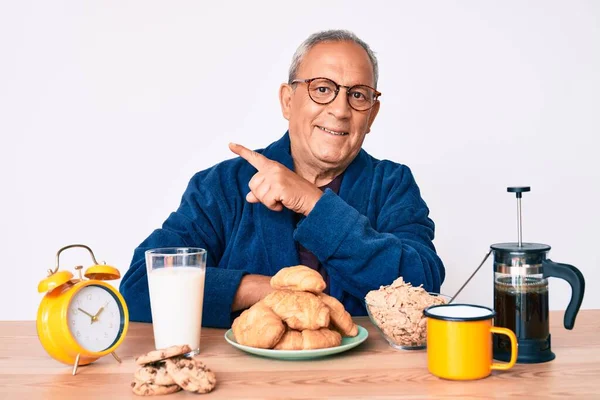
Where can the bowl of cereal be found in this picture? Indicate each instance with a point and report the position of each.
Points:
(397, 312)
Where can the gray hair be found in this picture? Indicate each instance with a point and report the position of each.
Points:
(336, 35)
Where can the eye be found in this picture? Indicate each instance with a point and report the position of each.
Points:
(358, 94)
(323, 89)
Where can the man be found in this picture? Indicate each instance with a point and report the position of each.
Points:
(313, 197)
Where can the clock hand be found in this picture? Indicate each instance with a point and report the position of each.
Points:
(95, 317)
(86, 313)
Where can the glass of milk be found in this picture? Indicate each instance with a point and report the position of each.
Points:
(176, 283)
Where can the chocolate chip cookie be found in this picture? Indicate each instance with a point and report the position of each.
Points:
(162, 354)
(155, 373)
(191, 374)
(150, 389)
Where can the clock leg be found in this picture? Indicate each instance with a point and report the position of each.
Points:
(114, 354)
(76, 364)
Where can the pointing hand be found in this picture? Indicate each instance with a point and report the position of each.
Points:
(276, 186)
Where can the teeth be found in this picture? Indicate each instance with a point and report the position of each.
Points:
(333, 132)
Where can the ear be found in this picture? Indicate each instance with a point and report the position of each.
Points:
(285, 98)
(372, 114)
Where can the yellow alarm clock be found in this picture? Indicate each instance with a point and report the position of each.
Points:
(80, 320)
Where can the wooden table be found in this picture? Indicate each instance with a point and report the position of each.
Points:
(373, 370)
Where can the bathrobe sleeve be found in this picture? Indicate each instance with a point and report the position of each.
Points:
(362, 253)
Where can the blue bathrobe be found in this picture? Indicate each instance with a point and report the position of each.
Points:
(376, 229)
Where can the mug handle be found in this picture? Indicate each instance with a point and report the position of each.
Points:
(513, 348)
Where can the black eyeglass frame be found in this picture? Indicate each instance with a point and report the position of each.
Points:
(337, 91)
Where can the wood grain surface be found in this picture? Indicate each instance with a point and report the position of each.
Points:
(373, 370)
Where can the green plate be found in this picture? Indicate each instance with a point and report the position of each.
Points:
(347, 344)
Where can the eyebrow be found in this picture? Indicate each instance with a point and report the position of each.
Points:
(341, 84)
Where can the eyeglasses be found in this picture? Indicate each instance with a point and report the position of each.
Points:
(324, 91)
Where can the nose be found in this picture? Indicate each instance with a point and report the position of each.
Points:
(339, 107)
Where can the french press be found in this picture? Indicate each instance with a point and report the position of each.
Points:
(521, 272)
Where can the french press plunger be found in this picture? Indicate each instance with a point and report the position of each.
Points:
(521, 294)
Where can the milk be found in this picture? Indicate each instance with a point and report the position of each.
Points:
(176, 297)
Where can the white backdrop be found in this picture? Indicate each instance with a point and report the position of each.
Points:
(107, 109)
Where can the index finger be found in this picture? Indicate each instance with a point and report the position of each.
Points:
(255, 159)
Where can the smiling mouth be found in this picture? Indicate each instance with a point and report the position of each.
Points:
(335, 133)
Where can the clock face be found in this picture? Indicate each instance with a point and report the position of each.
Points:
(95, 318)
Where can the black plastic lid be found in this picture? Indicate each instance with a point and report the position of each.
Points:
(524, 248)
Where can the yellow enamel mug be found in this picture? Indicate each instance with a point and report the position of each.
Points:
(459, 341)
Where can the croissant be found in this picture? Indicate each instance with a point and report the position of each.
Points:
(291, 340)
(300, 278)
(340, 318)
(320, 339)
(258, 326)
(299, 310)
